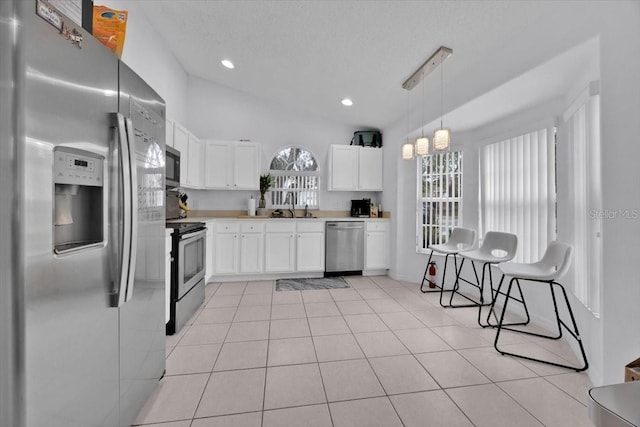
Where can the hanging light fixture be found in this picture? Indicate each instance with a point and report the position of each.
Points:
(407, 151)
(442, 136)
(422, 143)
(407, 147)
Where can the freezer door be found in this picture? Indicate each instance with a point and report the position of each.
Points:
(71, 332)
(142, 318)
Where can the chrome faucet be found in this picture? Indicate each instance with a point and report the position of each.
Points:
(291, 199)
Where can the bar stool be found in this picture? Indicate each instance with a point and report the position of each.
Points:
(461, 239)
(553, 266)
(497, 247)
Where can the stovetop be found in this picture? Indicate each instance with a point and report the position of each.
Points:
(185, 227)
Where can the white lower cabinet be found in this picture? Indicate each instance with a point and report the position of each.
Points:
(279, 247)
(376, 255)
(282, 246)
(310, 246)
(251, 247)
(226, 247)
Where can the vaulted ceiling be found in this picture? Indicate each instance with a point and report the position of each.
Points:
(308, 55)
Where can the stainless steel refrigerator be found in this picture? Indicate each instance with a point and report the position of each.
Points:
(81, 226)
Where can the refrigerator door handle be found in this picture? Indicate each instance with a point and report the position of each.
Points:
(124, 209)
(133, 212)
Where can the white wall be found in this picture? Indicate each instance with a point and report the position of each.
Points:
(146, 53)
(614, 340)
(219, 112)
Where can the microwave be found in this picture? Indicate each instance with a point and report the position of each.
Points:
(172, 167)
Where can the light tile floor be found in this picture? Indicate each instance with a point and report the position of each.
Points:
(378, 354)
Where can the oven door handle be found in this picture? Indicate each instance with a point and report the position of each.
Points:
(186, 238)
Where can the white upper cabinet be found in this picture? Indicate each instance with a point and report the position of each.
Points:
(194, 163)
(168, 133)
(232, 165)
(370, 169)
(246, 166)
(217, 159)
(181, 143)
(355, 168)
(343, 167)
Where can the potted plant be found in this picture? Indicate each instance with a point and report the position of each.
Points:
(266, 181)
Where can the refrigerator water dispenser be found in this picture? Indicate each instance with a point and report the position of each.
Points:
(78, 199)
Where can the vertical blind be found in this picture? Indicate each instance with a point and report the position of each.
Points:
(582, 123)
(518, 191)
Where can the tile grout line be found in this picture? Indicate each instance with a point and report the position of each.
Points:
(315, 351)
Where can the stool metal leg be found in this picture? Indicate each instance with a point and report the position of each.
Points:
(455, 284)
(494, 299)
(572, 331)
(479, 284)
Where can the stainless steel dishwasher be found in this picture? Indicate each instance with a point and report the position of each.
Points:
(344, 253)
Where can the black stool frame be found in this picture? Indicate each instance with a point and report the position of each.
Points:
(573, 332)
(486, 266)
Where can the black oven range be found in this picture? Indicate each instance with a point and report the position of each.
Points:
(188, 255)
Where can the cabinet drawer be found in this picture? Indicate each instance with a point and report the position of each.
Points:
(377, 226)
(310, 227)
(251, 227)
(227, 227)
(280, 226)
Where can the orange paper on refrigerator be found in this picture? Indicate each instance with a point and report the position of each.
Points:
(110, 27)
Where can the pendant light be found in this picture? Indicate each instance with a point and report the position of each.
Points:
(422, 143)
(407, 147)
(442, 136)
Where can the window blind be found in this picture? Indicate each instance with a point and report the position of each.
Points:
(517, 186)
(582, 129)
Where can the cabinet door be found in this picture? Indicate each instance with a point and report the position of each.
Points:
(246, 166)
(310, 252)
(226, 253)
(370, 169)
(217, 167)
(168, 133)
(210, 253)
(279, 252)
(376, 251)
(194, 168)
(181, 143)
(344, 167)
(251, 254)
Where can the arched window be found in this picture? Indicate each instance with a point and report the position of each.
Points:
(296, 178)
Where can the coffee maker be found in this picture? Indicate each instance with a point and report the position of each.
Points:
(361, 208)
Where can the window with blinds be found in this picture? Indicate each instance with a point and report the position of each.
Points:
(296, 179)
(517, 191)
(581, 133)
(439, 198)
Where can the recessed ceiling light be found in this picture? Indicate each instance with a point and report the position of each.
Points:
(227, 63)
(347, 102)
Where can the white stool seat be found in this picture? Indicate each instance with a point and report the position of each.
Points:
(480, 256)
(461, 239)
(553, 265)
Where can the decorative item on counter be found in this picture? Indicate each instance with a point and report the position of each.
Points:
(251, 207)
(374, 211)
(110, 27)
(266, 181)
(182, 203)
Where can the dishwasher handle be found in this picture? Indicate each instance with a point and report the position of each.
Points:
(344, 225)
